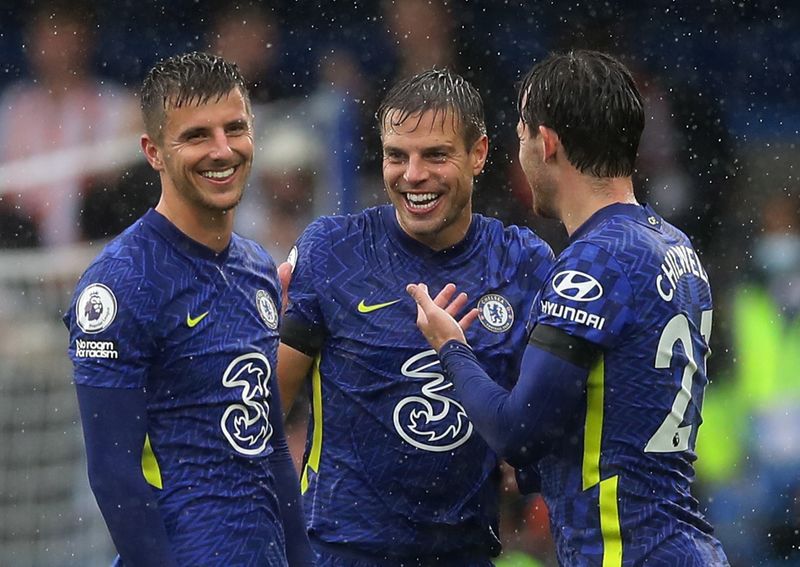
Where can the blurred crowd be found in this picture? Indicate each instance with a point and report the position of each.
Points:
(716, 160)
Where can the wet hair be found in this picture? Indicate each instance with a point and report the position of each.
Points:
(189, 79)
(591, 101)
(439, 90)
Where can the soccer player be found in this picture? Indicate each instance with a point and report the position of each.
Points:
(608, 399)
(394, 473)
(174, 336)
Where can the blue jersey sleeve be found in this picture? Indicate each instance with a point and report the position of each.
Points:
(110, 322)
(521, 424)
(587, 295)
(287, 488)
(114, 424)
(303, 324)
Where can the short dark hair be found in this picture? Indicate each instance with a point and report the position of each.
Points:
(591, 101)
(438, 90)
(190, 78)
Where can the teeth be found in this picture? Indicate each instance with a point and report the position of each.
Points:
(218, 174)
(421, 200)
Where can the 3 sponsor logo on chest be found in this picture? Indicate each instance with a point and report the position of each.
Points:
(430, 419)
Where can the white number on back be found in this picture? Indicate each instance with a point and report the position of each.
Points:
(671, 437)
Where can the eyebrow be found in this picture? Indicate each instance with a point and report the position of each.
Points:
(194, 130)
(191, 131)
(439, 148)
(426, 150)
(238, 122)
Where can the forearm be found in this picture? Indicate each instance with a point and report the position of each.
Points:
(293, 367)
(114, 427)
(300, 343)
(287, 488)
(519, 425)
(132, 517)
(298, 548)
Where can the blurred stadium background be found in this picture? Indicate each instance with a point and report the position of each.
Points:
(718, 159)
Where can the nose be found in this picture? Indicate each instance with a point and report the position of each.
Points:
(220, 149)
(415, 172)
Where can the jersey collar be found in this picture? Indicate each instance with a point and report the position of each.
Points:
(643, 214)
(416, 249)
(182, 242)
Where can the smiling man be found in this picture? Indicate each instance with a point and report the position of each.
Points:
(394, 473)
(173, 336)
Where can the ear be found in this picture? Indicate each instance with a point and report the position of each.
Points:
(152, 153)
(478, 154)
(550, 142)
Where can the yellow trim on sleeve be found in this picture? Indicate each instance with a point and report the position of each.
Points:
(150, 468)
(593, 429)
(316, 439)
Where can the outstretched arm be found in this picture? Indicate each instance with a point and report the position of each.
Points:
(519, 425)
(114, 428)
(522, 423)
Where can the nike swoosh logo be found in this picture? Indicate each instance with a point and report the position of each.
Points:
(192, 322)
(364, 308)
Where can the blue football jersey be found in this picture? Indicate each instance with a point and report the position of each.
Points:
(198, 331)
(618, 486)
(393, 466)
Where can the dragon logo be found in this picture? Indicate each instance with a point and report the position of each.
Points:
(430, 421)
(246, 426)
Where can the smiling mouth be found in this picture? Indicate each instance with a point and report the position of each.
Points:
(219, 175)
(421, 201)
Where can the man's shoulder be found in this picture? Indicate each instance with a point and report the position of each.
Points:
(364, 225)
(512, 237)
(494, 226)
(251, 250)
(349, 221)
(129, 257)
(635, 250)
(632, 242)
(127, 247)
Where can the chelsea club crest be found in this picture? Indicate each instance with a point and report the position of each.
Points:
(266, 308)
(495, 313)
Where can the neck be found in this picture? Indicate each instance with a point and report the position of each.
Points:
(589, 194)
(443, 238)
(210, 228)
